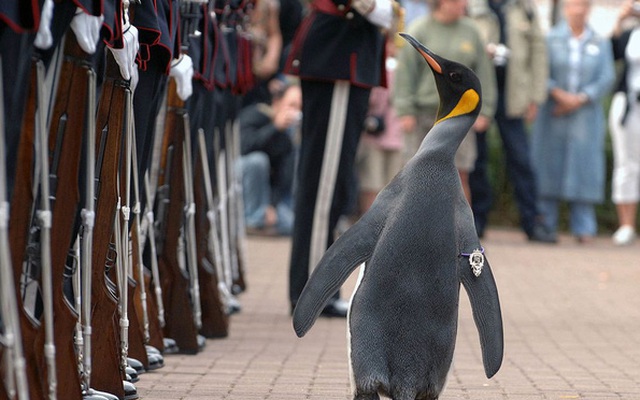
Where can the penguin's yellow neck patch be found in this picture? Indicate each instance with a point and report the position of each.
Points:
(467, 103)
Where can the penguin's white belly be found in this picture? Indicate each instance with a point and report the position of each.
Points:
(355, 289)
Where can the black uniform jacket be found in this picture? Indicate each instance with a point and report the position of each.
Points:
(334, 42)
(158, 23)
(20, 15)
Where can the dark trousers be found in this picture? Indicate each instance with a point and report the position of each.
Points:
(314, 152)
(515, 144)
(16, 50)
(202, 115)
(147, 101)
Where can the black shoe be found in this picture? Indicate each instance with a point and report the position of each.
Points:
(93, 394)
(156, 361)
(132, 375)
(170, 346)
(202, 342)
(136, 365)
(542, 235)
(337, 308)
(130, 392)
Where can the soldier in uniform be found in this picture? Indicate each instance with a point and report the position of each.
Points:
(338, 54)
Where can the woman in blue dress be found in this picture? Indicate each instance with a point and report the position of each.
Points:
(568, 135)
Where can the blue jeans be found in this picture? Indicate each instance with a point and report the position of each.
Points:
(515, 144)
(255, 171)
(582, 216)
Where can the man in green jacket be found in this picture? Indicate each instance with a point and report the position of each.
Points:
(516, 45)
(450, 34)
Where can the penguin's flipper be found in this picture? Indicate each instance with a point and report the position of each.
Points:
(350, 250)
(485, 305)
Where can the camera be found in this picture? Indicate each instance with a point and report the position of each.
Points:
(374, 125)
(500, 53)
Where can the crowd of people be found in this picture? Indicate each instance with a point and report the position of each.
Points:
(543, 91)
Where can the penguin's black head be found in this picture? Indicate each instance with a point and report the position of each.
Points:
(458, 86)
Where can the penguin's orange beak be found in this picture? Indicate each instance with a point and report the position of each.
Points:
(426, 53)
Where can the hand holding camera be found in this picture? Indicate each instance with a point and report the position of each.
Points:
(499, 53)
(628, 9)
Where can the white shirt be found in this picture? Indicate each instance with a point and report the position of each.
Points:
(575, 60)
(632, 55)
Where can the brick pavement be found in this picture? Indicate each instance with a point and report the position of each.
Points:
(571, 317)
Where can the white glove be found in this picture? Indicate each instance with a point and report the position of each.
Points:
(378, 12)
(182, 72)
(44, 40)
(87, 30)
(126, 56)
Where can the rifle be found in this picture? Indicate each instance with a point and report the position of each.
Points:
(130, 331)
(141, 304)
(139, 321)
(22, 204)
(190, 234)
(87, 215)
(215, 321)
(181, 323)
(122, 231)
(65, 139)
(16, 374)
(44, 217)
(155, 307)
(107, 375)
(177, 136)
(231, 304)
(237, 232)
(223, 204)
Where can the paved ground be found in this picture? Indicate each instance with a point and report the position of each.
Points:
(572, 330)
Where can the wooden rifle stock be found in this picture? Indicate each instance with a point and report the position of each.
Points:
(107, 375)
(13, 369)
(65, 142)
(155, 304)
(215, 321)
(147, 314)
(22, 204)
(3, 391)
(135, 338)
(180, 324)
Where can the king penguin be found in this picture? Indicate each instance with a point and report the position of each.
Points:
(416, 244)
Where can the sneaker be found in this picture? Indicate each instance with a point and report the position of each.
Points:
(625, 235)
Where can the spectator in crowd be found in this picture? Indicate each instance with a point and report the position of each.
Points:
(267, 46)
(414, 9)
(624, 125)
(338, 53)
(568, 135)
(381, 152)
(267, 161)
(449, 33)
(516, 45)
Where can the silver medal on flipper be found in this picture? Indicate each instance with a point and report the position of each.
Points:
(476, 260)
